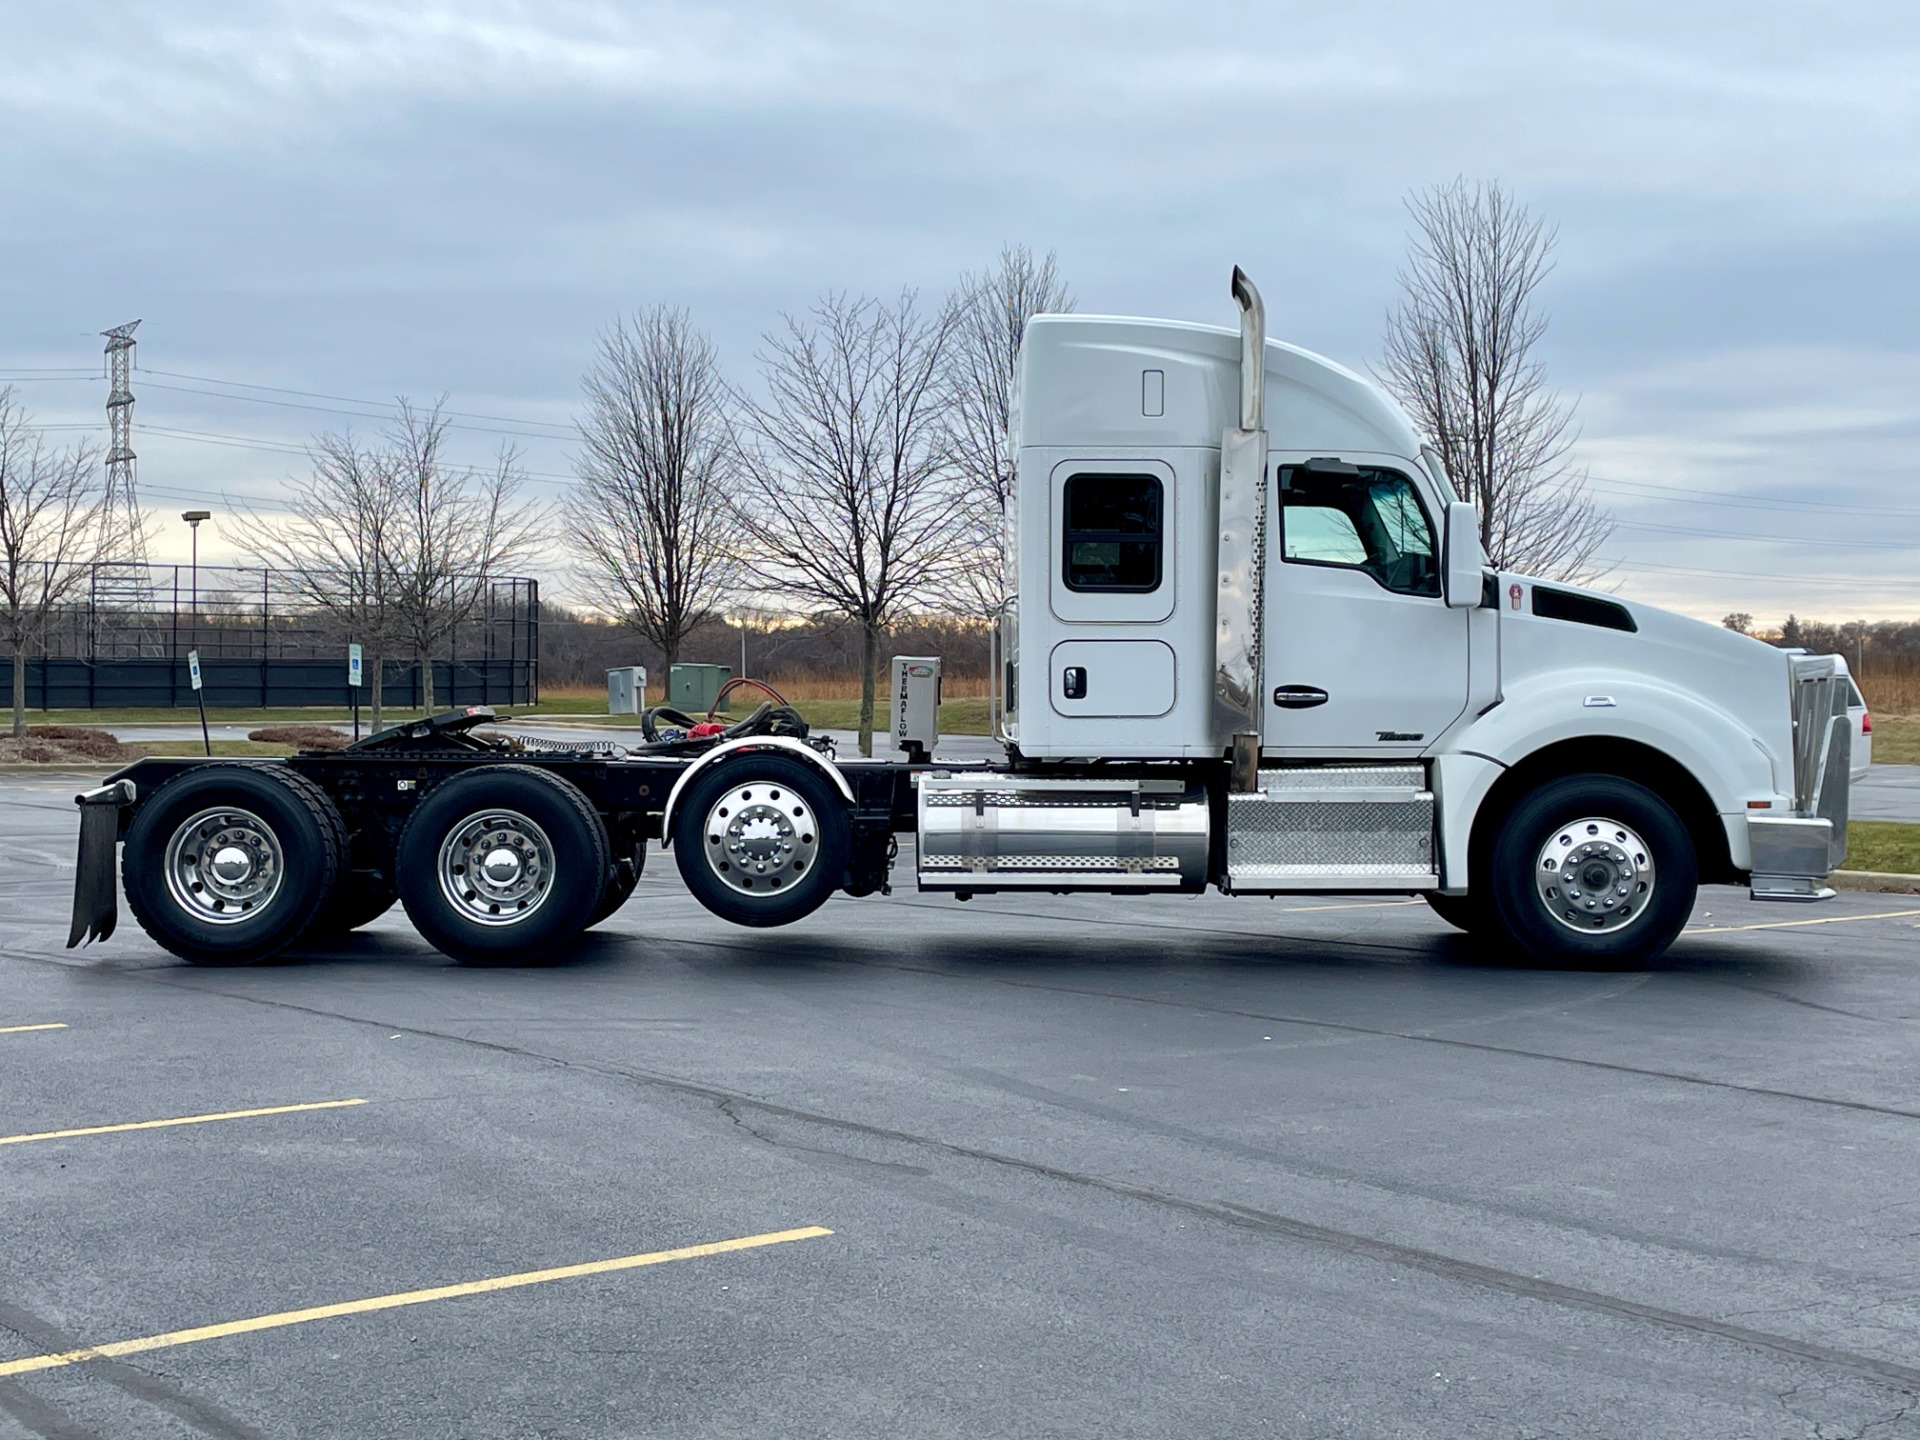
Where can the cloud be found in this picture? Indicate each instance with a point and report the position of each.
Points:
(371, 199)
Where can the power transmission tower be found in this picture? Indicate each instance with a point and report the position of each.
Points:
(122, 581)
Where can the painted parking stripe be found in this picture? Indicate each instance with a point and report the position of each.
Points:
(177, 1120)
(22, 1029)
(283, 1318)
(1790, 924)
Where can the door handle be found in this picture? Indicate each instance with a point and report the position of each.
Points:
(1299, 697)
(1073, 682)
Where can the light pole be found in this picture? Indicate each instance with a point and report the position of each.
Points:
(193, 519)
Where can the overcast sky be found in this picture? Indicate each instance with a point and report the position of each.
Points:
(369, 200)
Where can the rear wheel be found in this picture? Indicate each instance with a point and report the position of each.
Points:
(622, 876)
(363, 897)
(762, 840)
(502, 865)
(1592, 869)
(229, 864)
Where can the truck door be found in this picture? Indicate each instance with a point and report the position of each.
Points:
(1362, 655)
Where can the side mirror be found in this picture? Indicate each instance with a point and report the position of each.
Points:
(1465, 559)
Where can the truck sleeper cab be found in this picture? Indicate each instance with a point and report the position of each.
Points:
(1254, 646)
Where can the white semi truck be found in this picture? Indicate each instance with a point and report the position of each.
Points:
(1255, 647)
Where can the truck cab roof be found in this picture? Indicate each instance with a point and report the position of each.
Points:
(1128, 381)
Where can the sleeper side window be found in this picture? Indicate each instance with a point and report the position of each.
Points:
(1114, 533)
(1360, 519)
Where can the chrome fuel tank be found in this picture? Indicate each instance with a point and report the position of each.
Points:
(985, 831)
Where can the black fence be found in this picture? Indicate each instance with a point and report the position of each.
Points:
(263, 640)
(57, 684)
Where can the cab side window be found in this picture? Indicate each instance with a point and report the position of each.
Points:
(1358, 519)
(1114, 533)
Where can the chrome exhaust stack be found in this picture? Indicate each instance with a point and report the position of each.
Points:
(1237, 681)
(1253, 352)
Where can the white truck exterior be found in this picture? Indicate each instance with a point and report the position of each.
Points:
(1254, 647)
(1401, 700)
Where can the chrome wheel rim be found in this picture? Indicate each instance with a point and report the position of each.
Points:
(1594, 875)
(224, 865)
(496, 867)
(761, 839)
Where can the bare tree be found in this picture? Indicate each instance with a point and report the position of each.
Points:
(336, 548)
(461, 529)
(52, 509)
(651, 514)
(1461, 356)
(994, 307)
(396, 543)
(848, 494)
(1739, 620)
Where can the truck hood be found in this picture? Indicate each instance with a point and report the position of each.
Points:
(1554, 636)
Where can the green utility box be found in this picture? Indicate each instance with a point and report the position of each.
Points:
(694, 688)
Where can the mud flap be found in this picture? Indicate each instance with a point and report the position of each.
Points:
(96, 888)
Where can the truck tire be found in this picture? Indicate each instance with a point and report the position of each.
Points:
(1592, 870)
(502, 865)
(762, 840)
(229, 864)
(622, 876)
(1463, 912)
(362, 898)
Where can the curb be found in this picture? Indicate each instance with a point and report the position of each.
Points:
(1877, 881)
(60, 767)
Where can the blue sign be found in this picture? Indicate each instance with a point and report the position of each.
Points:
(354, 677)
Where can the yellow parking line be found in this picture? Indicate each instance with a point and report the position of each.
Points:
(1789, 924)
(180, 1120)
(22, 1029)
(283, 1318)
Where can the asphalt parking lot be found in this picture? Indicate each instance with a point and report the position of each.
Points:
(1020, 1166)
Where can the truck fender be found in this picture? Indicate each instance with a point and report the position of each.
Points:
(1460, 784)
(1723, 756)
(784, 744)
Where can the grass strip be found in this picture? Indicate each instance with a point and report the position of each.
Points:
(1890, 847)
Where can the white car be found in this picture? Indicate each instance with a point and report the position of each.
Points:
(1862, 724)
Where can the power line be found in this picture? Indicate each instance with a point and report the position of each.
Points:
(1854, 581)
(1761, 501)
(236, 442)
(243, 442)
(209, 497)
(349, 400)
(372, 409)
(1769, 539)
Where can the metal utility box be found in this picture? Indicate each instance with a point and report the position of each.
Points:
(626, 690)
(915, 689)
(694, 688)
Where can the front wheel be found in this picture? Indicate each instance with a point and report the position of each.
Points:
(762, 840)
(1594, 870)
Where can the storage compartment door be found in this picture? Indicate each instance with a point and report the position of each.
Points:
(1112, 678)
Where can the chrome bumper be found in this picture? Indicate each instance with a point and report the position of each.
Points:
(1792, 857)
(1793, 854)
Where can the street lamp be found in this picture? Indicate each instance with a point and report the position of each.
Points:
(193, 519)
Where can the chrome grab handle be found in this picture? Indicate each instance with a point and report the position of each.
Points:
(1299, 697)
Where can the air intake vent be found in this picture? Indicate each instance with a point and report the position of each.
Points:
(1581, 609)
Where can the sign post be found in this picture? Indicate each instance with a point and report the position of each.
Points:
(200, 697)
(355, 679)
